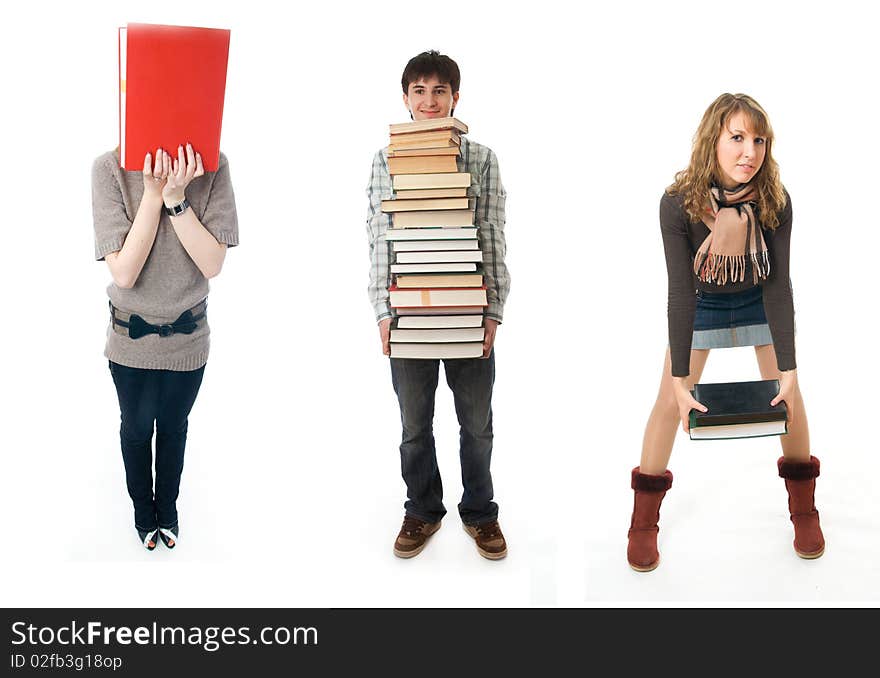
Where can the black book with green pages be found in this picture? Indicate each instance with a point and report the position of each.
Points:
(739, 409)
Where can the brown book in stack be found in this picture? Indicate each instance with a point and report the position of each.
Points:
(422, 194)
(415, 152)
(438, 292)
(425, 143)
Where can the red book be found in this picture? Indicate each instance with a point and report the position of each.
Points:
(171, 85)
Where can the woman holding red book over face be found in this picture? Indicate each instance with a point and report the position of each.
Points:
(163, 233)
(726, 225)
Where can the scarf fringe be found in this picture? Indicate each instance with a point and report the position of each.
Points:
(721, 269)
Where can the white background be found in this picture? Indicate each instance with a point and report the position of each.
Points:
(291, 494)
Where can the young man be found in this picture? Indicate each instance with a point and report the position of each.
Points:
(430, 90)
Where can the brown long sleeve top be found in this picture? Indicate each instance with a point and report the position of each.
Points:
(681, 239)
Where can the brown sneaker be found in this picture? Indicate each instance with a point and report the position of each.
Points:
(413, 536)
(490, 541)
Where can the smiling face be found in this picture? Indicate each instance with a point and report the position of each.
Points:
(740, 151)
(428, 98)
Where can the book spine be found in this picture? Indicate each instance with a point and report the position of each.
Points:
(729, 419)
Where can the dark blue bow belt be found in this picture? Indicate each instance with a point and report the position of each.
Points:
(135, 327)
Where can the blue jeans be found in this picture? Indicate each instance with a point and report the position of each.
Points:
(166, 398)
(471, 380)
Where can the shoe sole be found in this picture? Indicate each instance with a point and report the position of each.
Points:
(417, 551)
(646, 568)
(486, 554)
(810, 556)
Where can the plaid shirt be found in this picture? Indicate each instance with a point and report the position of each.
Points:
(486, 187)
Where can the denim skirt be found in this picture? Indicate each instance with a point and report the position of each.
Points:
(728, 320)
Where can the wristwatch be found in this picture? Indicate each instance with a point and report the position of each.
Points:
(177, 209)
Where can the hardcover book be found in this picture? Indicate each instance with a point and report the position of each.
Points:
(428, 298)
(414, 152)
(443, 145)
(428, 125)
(430, 245)
(436, 351)
(425, 204)
(438, 280)
(425, 181)
(440, 336)
(172, 81)
(428, 322)
(472, 256)
(738, 410)
(408, 142)
(444, 267)
(425, 136)
(476, 311)
(430, 218)
(437, 233)
(418, 194)
(422, 164)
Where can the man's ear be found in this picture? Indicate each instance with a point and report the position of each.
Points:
(406, 103)
(454, 104)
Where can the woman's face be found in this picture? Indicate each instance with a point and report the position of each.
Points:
(740, 152)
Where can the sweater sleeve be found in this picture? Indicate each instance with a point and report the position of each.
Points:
(112, 222)
(778, 303)
(681, 295)
(220, 218)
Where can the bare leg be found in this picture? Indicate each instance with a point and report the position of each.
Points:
(664, 421)
(795, 444)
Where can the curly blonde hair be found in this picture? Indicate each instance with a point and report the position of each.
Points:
(703, 172)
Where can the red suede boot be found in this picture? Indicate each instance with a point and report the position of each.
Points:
(800, 481)
(642, 551)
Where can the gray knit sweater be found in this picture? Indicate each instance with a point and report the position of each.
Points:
(169, 282)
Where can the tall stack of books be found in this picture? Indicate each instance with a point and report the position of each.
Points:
(437, 291)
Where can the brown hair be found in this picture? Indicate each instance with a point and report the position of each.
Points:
(430, 63)
(694, 182)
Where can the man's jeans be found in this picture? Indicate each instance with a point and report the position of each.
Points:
(471, 380)
(166, 398)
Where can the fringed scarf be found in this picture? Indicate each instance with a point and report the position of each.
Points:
(735, 237)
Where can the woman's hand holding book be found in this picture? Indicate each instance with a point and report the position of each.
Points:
(686, 402)
(788, 387)
(182, 171)
(156, 174)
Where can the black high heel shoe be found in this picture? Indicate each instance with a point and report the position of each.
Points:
(168, 535)
(147, 537)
